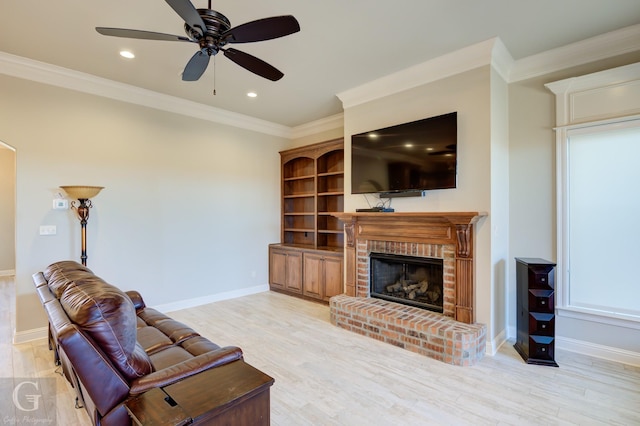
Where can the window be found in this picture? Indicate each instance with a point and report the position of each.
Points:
(601, 192)
(598, 196)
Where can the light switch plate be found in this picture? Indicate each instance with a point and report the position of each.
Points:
(60, 204)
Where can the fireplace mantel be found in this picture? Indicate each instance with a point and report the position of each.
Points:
(441, 228)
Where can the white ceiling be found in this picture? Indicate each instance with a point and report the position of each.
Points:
(342, 43)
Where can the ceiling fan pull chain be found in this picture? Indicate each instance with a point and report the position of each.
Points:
(214, 76)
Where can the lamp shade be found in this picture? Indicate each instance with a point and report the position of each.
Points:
(82, 192)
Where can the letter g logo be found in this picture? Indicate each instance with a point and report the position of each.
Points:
(33, 399)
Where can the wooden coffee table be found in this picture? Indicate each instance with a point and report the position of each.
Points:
(236, 393)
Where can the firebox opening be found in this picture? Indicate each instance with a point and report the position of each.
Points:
(414, 281)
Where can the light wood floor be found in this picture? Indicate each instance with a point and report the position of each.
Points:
(328, 376)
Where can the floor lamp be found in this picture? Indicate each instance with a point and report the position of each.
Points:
(83, 195)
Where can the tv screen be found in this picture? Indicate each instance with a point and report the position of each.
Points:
(415, 156)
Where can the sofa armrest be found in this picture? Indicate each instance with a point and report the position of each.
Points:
(136, 298)
(185, 369)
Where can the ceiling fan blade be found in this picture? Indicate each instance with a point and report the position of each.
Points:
(144, 35)
(188, 13)
(196, 66)
(262, 29)
(253, 64)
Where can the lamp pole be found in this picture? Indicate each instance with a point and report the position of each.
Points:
(83, 214)
(83, 195)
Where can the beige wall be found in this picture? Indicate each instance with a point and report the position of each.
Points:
(469, 94)
(326, 135)
(189, 206)
(500, 264)
(7, 208)
(532, 201)
(192, 205)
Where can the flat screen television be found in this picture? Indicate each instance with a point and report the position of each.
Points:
(409, 157)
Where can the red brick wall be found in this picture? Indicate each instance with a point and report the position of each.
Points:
(446, 252)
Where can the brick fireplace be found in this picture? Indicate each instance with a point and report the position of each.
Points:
(451, 336)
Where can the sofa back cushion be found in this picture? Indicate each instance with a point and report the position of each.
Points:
(108, 316)
(59, 275)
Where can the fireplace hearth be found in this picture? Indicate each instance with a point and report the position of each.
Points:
(450, 335)
(413, 281)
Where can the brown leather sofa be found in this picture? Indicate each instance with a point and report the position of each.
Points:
(112, 347)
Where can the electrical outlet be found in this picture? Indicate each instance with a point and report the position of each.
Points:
(48, 230)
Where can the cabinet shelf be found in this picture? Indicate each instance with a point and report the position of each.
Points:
(308, 261)
(294, 178)
(331, 174)
(313, 189)
(305, 195)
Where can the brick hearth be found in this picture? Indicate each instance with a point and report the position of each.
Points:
(452, 336)
(417, 330)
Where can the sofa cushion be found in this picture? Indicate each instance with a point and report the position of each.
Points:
(59, 275)
(108, 315)
(152, 340)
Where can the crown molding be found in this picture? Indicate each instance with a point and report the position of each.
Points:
(490, 52)
(501, 59)
(318, 126)
(28, 69)
(438, 68)
(614, 43)
(494, 52)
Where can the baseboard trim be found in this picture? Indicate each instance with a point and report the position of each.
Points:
(7, 272)
(598, 351)
(493, 345)
(199, 301)
(30, 335)
(43, 332)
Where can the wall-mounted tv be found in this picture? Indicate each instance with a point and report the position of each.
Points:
(409, 157)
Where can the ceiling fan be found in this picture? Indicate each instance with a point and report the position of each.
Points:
(212, 31)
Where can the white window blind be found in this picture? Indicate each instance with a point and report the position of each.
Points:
(603, 218)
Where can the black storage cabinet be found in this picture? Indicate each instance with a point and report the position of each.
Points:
(535, 342)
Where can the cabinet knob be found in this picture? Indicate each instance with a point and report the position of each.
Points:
(543, 302)
(544, 326)
(544, 349)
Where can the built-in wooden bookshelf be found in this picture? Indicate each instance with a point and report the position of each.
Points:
(313, 189)
(308, 261)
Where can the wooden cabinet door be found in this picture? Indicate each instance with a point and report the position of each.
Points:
(293, 282)
(277, 268)
(312, 281)
(333, 277)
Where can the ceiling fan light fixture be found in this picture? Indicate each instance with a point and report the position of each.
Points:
(127, 54)
(211, 30)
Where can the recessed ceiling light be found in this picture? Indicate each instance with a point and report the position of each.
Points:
(127, 54)
(252, 94)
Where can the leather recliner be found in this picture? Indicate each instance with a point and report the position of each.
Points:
(112, 347)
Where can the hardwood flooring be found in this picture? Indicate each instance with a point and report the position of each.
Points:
(328, 376)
